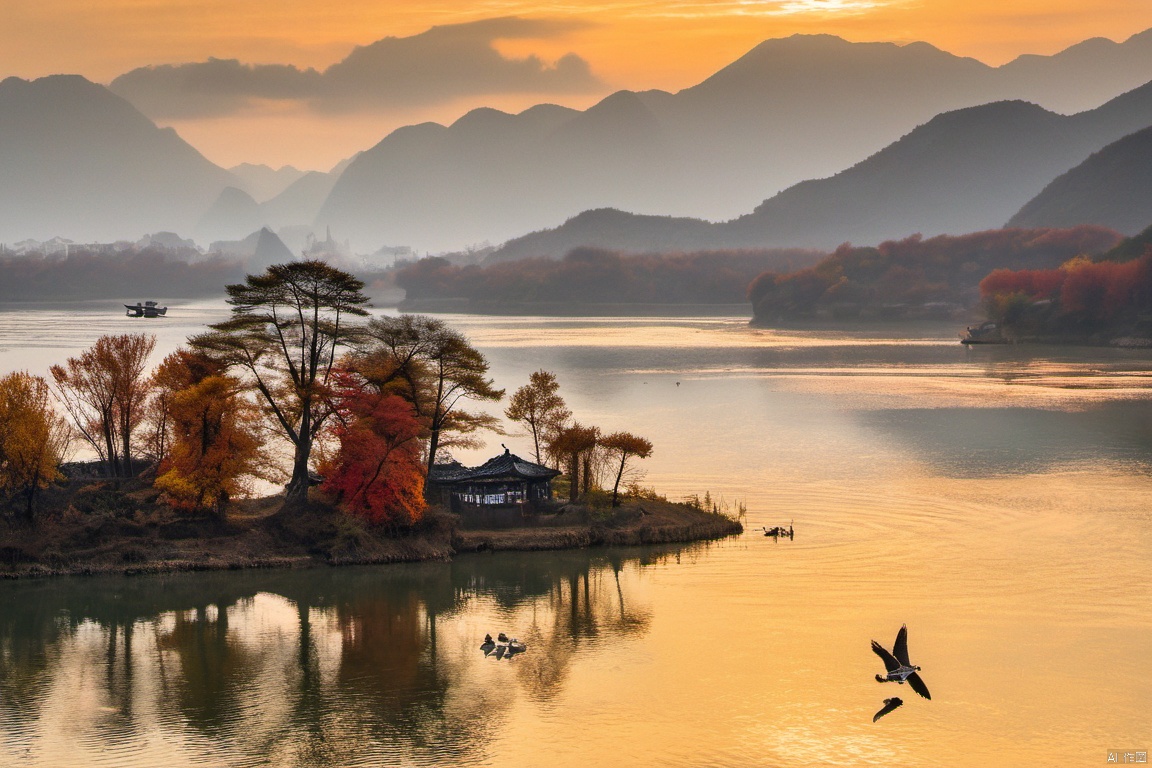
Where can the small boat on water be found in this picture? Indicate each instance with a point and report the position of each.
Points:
(147, 309)
(985, 333)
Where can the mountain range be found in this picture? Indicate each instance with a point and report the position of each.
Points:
(1110, 188)
(964, 171)
(82, 162)
(791, 109)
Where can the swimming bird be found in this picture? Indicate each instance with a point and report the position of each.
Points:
(899, 669)
(503, 638)
(889, 705)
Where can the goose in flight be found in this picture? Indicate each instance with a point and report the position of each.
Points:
(898, 668)
(889, 705)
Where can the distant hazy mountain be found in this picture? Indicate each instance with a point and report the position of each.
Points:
(233, 215)
(263, 182)
(791, 109)
(963, 171)
(301, 201)
(609, 228)
(1112, 187)
(80, 162)
(269, 250)
(960, 172)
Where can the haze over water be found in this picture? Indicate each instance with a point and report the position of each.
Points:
(994, 500)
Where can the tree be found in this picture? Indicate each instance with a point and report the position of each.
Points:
(105, 390)
(33, 437)
(377, 472)
(286, 327)
(539, 407)
(623, 446)
(436, 369)
(575, 441)
(214, 439)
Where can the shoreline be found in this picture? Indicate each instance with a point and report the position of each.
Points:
(573, 309)
(320, 537)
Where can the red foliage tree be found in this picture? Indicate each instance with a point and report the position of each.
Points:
(1036, 284)
(377, 472)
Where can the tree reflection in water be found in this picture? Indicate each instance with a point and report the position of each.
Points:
(313, 667)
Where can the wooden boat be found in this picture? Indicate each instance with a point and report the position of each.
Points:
(985, 333)
(147, 309)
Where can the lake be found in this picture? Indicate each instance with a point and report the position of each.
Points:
(995, 500)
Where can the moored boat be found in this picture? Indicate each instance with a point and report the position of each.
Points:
(147, 309)
(985, 333)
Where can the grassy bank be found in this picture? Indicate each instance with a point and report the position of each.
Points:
(95, 528)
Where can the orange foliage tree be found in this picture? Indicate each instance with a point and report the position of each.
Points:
(576, 442)
(377, 471)
(104, 391)
(622, 446)
(33, 437)
(213, 442)
(540, 408)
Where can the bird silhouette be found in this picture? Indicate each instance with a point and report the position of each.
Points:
(889, 705)
(898, 668)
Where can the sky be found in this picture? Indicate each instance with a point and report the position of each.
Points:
(509, 54)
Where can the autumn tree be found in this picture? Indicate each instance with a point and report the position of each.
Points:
(377, 472)
(437, 370)
(33, 437)
(214, 440)
(620, 447)
(575, 441)
(286, 327)
(539, 407)
(105, 390)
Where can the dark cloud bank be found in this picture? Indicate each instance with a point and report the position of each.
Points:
(442, 64)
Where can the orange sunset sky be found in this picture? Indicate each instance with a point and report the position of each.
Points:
(636, 44)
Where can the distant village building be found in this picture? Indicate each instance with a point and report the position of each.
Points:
(505, 483)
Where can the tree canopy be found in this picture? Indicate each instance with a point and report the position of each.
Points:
(105, 390)
(286, 328)
(540, 408)
(437, 370)
(33, 437)
(622, 446)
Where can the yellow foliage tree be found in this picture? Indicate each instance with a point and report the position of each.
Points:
(213, 442)
(33, 437)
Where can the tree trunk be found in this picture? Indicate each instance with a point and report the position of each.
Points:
(112, 464)
(126, 441)
(574, 485)
(616, 488)
(433, 445)
(297, 492)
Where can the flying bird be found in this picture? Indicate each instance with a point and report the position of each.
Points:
(899, 669)
(889, 705)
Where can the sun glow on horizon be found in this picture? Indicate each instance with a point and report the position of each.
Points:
(623, 44)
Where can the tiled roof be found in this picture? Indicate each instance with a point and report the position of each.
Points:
(506, 464)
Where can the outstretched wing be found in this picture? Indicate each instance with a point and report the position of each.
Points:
(918, 685)
(889, 705)
(890, 662)
(900, 649)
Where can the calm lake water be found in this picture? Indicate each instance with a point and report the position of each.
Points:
(995, 500)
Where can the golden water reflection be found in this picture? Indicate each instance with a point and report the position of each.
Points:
(995, 500)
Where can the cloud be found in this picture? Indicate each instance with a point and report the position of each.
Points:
(442, 64)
